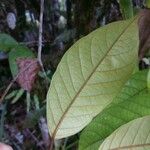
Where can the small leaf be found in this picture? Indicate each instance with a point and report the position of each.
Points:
(18, 96)
(11, 95)
(26, 79)
(36, 101)
(90, 75)
(126, 8)
(7, 42)
(18, 52)
(133, 102)
(28, 101)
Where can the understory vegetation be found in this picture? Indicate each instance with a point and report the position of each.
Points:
(74, 74)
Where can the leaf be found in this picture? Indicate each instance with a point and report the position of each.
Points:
(147, 3)
(18, 96)
(18, 52)
(144, 32)
(26, 78)
(11, 95)
(36, 101)
(7, 42)
(126, 7)
(148, 80)
(133, 135)
(133, 102)
(90, 75)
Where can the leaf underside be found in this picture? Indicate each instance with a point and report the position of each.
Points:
(133, 102)
(90, 75)
(133, 135)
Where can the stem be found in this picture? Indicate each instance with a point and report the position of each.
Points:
(40, 40)
(28, 98)
(36, 101)
(40, 35)
(51, 144)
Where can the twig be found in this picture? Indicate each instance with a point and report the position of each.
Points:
(14, 80)
(40, 41)
(28, 101)
(40, 36)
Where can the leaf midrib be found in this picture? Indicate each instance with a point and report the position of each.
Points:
(86, 81)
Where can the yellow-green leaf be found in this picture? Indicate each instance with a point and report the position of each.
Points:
(90, 75)
(134, 135)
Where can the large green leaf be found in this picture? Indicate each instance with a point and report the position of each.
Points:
(133, 102)
(126, 7)
(7, 42)
(90, 75)
(18, 52)
(134, 135)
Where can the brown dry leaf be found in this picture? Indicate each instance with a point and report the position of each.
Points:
(28, 69)
(144, 32)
